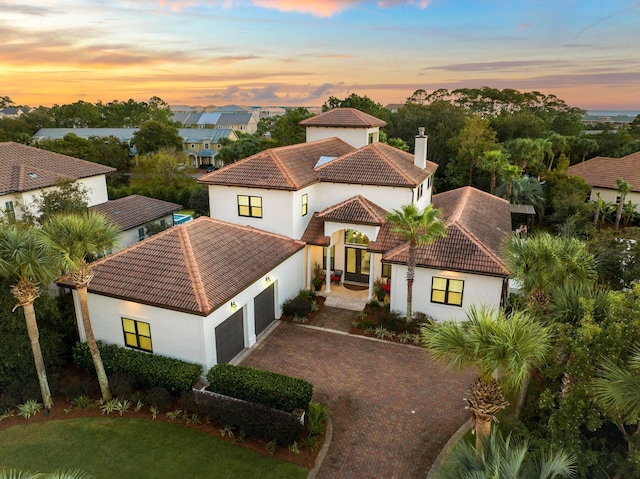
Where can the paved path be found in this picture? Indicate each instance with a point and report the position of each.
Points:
(393, 408)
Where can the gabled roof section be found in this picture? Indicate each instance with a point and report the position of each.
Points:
(195, 267)
(25, 168)
(344, 118)
(357, 210)
(477, 224)
(284, 168)
(603, 172)
(134, 210)
(376, 164)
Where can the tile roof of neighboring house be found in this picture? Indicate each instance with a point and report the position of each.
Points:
(345, 118)
(603, 172)
(25, 168)
(376, 164)
(122, 134)
(284, 168)
(135, 210)
(195, 267)
(356, 210)
(477, 224)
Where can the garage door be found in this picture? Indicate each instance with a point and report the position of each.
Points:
(229, 337)
(263, 306)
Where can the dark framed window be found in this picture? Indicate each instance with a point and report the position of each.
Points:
(332, 258)
(420, 190)
(10, 211)
(137, 334)
(447, 291)
(141, 234)
(305, 204)
(386, 270)
(250, 206)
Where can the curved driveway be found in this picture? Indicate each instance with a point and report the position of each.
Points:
(393, 408)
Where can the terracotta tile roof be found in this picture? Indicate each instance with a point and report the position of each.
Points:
(25, 168)
(477, 224)
(356, 210)
(376, 164)
(603, 172)
(135, 210)
(285, 168)
(314, 233)
(195, 267)
(344, 117)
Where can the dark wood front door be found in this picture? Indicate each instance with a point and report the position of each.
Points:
(358, 263)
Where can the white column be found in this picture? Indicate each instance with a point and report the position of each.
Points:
(371, 275)
(308, 275)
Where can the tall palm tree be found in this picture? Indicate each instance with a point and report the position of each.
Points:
(75, 238)
(504, 349)
(617, 390)
(502, 458)
(491, 161)
(508, 174)
(624, 188)
(26, 261)
(418, 228)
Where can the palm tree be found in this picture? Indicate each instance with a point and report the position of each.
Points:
(492, 161)
(504, 349)
(616, 389)
(418, 228)
(26, 260)
(599, 203)
(502, 458)
(624, 188)
(508, 174)
(542, 263)
(75, 238)
(17, 474)
(525, 190)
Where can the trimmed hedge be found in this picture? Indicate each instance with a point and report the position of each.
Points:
(150, 370)
(254, 419)
(263, 387)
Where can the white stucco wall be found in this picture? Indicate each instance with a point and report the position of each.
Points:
(130, 237)
(610, 195)
(277, 208)
(96, 188)
(386, 197)
(184, 336)
(356, 137)
(477, 290)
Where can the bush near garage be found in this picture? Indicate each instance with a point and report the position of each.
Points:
(150, 370)
(253, 419)
(263, 387)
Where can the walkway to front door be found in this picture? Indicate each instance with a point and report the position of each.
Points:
(341, 297)
(393, 408)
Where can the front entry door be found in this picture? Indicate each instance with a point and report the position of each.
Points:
(358, 263)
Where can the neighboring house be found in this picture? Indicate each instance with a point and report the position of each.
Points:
(12, 112)
(601, 174)
(200, 145)
(135, 214)
(271, 111)
(201, 292)
(464, 268)
(27, 172)
(232, 117)
(334, 194)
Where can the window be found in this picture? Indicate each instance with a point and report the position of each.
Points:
(332, 258)
(163, 223)
(10, 211)
(193, 146)
(372, 138)
(420, 190)
(206, 145)
(250, 206)
(386, 270)
(140, 234)
(447, 291)
(618, 198)
(355, 237)
(305, 204)
(429, 182)
(137, 334)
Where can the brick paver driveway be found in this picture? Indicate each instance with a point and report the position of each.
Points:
(393, 408)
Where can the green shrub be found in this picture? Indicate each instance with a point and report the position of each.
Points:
(297, 307)
(158, 398)
(150, 370)
(262, 387)
(317, 415)
(248, 418)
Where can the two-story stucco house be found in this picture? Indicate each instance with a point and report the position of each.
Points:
(26, 172)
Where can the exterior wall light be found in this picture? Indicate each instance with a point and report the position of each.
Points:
(234, 305)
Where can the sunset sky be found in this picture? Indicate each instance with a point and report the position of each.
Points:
(300, 52)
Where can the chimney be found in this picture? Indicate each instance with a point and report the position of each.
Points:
(420, 150)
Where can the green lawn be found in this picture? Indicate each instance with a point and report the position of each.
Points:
(123, 448)
(186, 212)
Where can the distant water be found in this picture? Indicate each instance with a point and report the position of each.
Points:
(599, 113)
